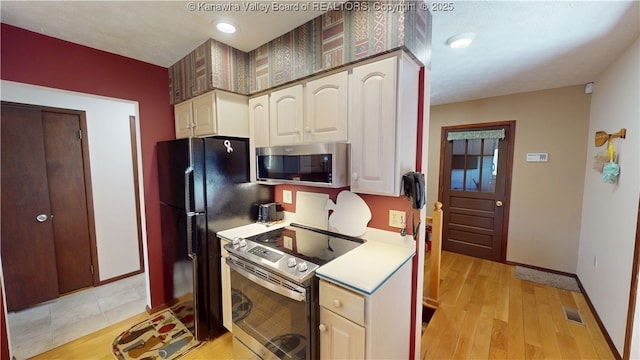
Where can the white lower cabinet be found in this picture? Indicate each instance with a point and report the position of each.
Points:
(225, 274)
(376, 326)
(339, 337)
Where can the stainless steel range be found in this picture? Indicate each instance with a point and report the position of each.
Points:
(275, 291)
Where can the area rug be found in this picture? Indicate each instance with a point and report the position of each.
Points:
(547, 278)
(165, 335)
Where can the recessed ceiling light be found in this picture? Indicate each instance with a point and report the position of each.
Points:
(226, 27)
(461, 41)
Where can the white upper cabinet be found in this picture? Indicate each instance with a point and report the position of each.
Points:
(285, 116)
(204, 115)
(314, 112)
(383, 124)
(213, 113)
(259, 120)
(258, 128)
(326, 109)
(183, 113)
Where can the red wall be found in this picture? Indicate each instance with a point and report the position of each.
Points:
(31, 58)
(379, 205)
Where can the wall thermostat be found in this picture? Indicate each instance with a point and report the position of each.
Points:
(537, 157)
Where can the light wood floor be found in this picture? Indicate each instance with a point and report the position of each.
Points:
(485, 313)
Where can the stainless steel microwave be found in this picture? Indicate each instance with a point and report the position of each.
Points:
(324, 164)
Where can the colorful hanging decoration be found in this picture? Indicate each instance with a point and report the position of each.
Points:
(611, 169)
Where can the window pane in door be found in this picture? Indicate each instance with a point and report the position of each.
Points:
(457, 164)
(473, 165)
(490, 165)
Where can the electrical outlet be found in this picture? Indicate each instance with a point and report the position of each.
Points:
(397, 219)
(288, 242)
(287, 197)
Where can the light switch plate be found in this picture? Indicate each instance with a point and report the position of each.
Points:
(287, 197)
(397, 219)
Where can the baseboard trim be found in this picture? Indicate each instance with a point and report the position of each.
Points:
(612, 347)
(120, 277)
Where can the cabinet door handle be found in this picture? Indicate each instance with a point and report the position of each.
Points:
(322, 327)
(337, 303)
(354, 176)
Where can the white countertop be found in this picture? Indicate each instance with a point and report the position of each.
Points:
(363, 269)
(250, 230)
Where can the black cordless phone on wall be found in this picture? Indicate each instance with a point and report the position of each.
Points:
(413, 187)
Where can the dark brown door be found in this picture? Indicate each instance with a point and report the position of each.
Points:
(46, 247)
(28, 253)
(475, 186)
(65, 172)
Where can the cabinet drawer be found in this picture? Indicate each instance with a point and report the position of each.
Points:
(342, 302)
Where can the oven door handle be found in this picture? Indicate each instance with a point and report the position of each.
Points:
(291, 294)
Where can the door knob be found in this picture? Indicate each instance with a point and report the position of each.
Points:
(498, 203)
(42, 218)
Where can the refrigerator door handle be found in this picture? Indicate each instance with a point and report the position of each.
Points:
(188, 181)
(192, 234)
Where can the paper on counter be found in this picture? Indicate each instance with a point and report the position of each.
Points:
(311, 209)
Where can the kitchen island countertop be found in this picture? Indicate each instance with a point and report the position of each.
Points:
(363, 269)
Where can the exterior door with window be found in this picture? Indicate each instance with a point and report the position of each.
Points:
(475, 186)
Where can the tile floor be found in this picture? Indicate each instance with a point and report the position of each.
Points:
(46, 326)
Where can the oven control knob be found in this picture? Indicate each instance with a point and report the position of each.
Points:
(235, 242)
(242, 243)
(291, 262)
(302, 267)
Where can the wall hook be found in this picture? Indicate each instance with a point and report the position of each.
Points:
(602, 137)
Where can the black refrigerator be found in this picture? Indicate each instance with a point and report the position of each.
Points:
(204, 188)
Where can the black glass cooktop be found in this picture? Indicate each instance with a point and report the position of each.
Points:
(313, 245)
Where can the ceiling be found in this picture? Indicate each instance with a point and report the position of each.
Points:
(519, 45)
